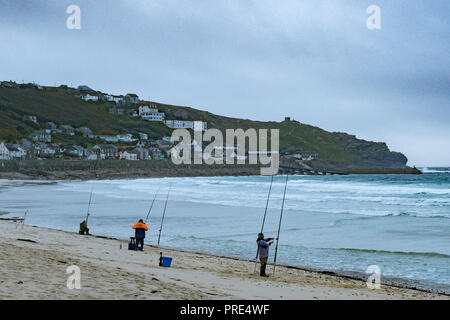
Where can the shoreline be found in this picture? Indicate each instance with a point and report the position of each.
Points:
(94, 176)
(194, 275)
(400, 283)
(352, 275)
(123, 169)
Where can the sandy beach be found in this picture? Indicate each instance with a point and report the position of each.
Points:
(34, 267)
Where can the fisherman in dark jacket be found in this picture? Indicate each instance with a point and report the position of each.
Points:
(263, 252)
(83, 228)
(140, 230)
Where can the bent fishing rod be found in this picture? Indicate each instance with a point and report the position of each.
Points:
(151, 206)
(264, 219)
(164, 213)
(279, 224)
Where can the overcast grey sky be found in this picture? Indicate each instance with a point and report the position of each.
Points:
(313, 60)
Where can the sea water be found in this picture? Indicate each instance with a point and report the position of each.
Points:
(343, 224)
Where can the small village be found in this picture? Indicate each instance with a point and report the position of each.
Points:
(125, 146)
(131, 146)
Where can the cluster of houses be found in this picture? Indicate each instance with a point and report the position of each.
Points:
(145, 112)
(127, 99)
(151, 113)
(45, 135)
(10, 151)
(143, 150)
(38, 145)
(88, 94)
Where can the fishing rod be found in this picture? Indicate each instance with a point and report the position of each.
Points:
(23, 220)
(264, 219)
(164, 213)
(151, 206)
(89, 208)
(24, 217)
(267, 205)
(279, 224)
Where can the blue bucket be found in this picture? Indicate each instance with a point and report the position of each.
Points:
(166, 262)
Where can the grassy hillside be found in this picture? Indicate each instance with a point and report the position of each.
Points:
(61, 106)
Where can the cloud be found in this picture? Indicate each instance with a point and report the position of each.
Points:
(312, 60)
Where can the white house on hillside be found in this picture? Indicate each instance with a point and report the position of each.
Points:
(111, 98)
(306, 156)
(182, 124)
(129, 155)
(88, 97)
(143, 136)
(151, 113)
(41, 136)
(16, 151)
(30, 118)
(76, 151)
(106, 151)
(109, 138)
(4, 152)
(127, 137)
(132, 98)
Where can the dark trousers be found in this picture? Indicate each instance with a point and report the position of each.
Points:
(263, 266)
(141, 242)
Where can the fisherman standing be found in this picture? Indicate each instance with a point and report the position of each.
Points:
(263, 252)
(140, 229)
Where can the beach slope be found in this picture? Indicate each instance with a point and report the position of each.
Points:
(34, 261)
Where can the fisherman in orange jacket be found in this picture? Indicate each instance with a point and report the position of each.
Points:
(140, 229)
